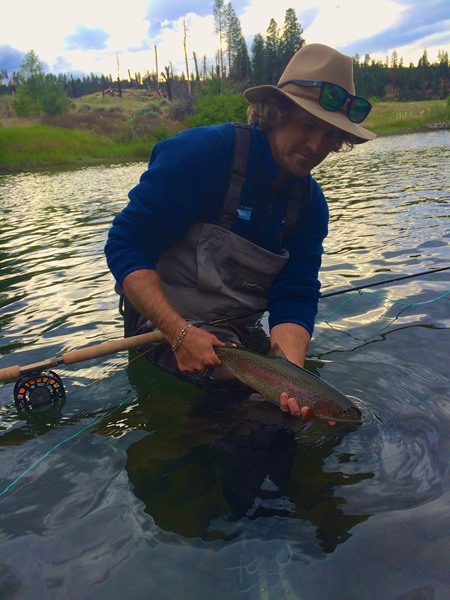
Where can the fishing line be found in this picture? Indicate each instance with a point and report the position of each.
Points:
(366, 338)
(58, 445)
(402, 302)
(383, 282)
(74, 436)
(331, 294)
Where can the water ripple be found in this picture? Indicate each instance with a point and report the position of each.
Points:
(142, 443)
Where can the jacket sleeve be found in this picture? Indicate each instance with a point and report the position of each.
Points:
(294, 295)
(184, 183)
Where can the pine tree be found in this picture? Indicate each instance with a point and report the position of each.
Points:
(443, 73)
(273, 51)
(219, 26)
(238, 58)
(291, 38)
(258, 62)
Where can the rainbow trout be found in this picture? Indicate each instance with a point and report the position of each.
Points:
(272, 374)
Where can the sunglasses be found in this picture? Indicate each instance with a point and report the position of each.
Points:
(333, 97)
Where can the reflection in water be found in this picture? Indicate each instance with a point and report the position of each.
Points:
(225, 461)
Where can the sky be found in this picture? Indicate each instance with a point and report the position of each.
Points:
(110, 38)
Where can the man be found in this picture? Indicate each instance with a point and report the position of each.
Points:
(198, 242)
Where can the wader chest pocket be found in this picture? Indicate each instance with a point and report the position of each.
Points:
(234, 266)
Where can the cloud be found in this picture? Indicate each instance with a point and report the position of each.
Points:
(10, 58)
(308, 17)
(62, 65)
(200, 38)
(419, 29)
(256, 16)
(92, 37)
(163, 11)
(434, 19)
(87, 38)
(336, 26)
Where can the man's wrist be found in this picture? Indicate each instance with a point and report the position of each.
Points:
(181, 336)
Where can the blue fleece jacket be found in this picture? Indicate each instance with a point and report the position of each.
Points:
(187, 181)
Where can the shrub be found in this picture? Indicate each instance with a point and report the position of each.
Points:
(37, 92)
(151, 110)
(213, 110)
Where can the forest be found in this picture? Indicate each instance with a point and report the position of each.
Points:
(235, 68)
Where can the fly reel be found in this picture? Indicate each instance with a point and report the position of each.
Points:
(38, 391)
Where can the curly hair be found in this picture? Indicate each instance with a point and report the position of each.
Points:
(276, 111)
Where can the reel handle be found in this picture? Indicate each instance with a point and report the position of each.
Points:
(10, 373)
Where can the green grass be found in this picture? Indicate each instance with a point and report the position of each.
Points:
(37, 146)
(87, 135)
(389, 118)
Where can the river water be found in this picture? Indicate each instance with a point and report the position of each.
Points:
(141, 486)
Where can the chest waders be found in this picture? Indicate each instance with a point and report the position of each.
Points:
(213, 273)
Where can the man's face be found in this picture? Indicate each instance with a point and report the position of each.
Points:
(302, 143)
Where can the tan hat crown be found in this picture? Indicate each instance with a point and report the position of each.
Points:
(321, 63)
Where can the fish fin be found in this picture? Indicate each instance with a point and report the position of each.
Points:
(222, 373)
(256, 397)
(276, 352)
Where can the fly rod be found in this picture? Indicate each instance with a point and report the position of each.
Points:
(75, 356)
(383, 282)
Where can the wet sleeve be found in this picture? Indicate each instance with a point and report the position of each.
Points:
(185, 182)
(294, 295)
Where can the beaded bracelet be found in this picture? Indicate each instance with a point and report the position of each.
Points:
(180, 338)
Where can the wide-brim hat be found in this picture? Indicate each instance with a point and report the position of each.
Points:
(316, 62)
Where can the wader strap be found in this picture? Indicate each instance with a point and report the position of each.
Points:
(242, 137)
(228, 218)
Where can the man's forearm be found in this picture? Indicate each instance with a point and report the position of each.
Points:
(293, 339)
(143, 289)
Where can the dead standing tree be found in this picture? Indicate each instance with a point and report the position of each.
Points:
(169, 82)
(157, 69)
(118, 76)
(188, 77)
(197, 74)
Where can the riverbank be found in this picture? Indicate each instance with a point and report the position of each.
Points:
(104, 130)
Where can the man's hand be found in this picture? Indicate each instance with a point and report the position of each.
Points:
(196, 352)
(288, 404)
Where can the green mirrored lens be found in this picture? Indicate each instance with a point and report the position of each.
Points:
(332, 97)
(358, 109)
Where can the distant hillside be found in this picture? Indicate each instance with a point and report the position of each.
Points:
(109, 128)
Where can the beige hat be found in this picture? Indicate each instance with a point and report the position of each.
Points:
(319, 63)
